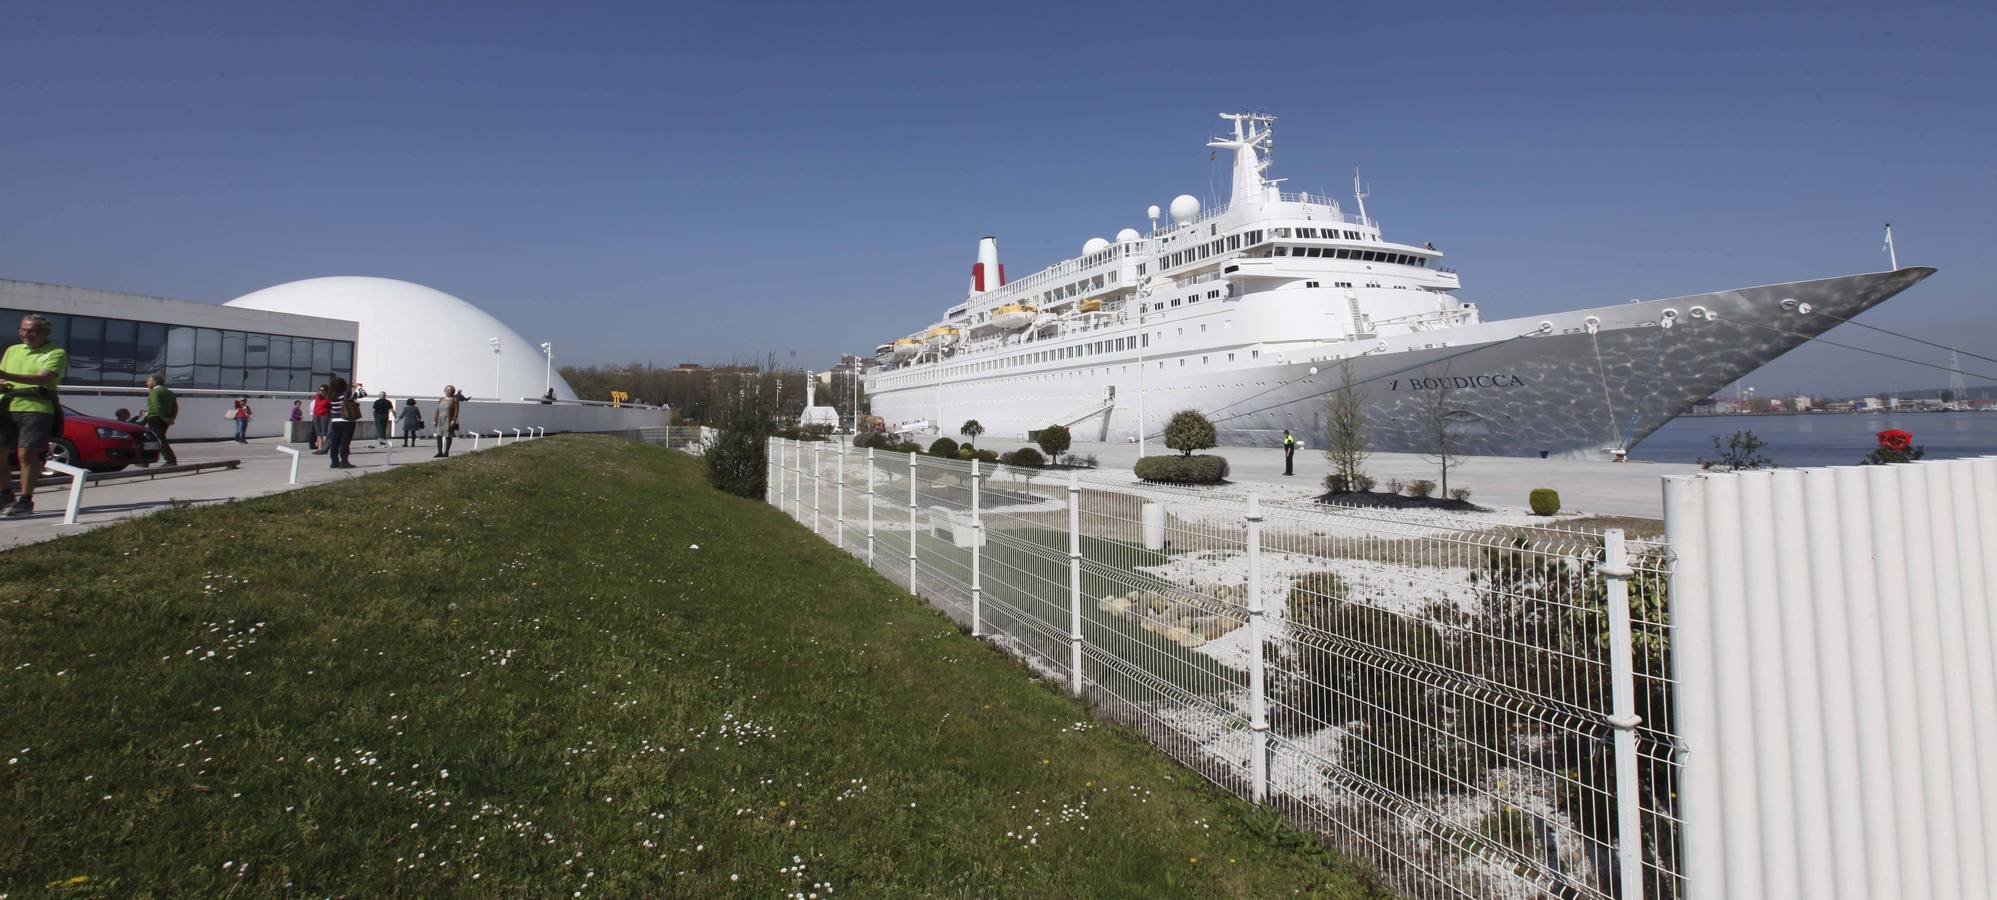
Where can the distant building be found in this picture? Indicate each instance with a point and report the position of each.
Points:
(1871, 404)
(1803, 404)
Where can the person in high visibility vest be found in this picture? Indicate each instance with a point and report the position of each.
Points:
(1289, 453)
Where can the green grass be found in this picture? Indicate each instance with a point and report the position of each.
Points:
(511, 674)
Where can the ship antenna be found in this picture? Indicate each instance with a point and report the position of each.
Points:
(1892, 255)
(1359, 193)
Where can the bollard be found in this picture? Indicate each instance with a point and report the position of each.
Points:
(294, 462)
(76, 478)
(389, 457)
(1074, 584)
(498, 438)
(977, 556)
(516, 435)
(474, 440)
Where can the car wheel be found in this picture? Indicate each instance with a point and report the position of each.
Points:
(62, 451)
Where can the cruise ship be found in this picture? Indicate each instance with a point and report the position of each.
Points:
(1256, 312)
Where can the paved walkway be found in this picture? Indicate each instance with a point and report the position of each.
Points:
(1620, 489)
(263, 471)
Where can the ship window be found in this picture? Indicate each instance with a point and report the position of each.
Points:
(1343, 253)
(1254, 354)
(1145, 340)
(1203, 360)
(1282, 251)
(1230, 357)
(1175, 301)
(1182, 362)
(1203, 328)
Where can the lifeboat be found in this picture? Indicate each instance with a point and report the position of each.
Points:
(884, 353)
(1090, 305)
(940, 337)
(1014, 316)
(906, 348)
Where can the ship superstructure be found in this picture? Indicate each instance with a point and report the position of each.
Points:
(1254, 311)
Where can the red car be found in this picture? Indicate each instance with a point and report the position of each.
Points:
(102, 445)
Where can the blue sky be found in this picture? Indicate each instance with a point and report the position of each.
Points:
(675, 183)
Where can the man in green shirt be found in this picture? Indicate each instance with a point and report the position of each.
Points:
(162, 407)
(30, 373)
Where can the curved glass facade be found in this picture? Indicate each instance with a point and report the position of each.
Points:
(122, 352)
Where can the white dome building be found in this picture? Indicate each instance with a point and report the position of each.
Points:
(413, 340)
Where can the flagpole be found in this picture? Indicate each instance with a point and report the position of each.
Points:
(1892, 254)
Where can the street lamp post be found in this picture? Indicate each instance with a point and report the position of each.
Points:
(495, 368)
(548, 374)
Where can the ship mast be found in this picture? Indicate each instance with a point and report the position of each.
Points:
(1252, 132)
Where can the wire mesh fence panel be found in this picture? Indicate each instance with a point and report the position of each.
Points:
(1435, 697)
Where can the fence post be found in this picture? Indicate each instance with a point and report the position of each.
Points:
(839, 502)
(1615, 570)
(1258, 678)
(817, 475)
(772, 487)
(977, 555)
(870, 507)
(911, 523)
(797, 480)
(1074, 583)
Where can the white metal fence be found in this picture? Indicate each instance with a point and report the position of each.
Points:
(1839, 694)
(1476, 712)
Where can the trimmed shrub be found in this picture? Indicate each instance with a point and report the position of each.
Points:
(943, 447)
(966, 451)
(1544, 501)
(1025, 458)
(1362, 482)
(738, 462)
(1054, 440)
(1189, 431)
(1420, 488)
(1395, 485)
(990, 456)
(1182, 469)
(1336, 483)
(1460, 495)
(1089, 459)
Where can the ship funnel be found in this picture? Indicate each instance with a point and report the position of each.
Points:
(988, 274)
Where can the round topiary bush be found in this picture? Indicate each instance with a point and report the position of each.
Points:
(1054, 440)
(1025, 458)
(1544, 501)
(1189, 431)
(943, 447)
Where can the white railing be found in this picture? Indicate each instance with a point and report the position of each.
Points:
(1838, 700)
(1474, 711)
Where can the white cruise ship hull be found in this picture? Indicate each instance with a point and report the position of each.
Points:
(1549, 385)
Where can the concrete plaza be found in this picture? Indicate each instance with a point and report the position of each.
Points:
(1585, 486)
(262, 470)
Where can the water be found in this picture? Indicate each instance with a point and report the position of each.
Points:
(1824, 439)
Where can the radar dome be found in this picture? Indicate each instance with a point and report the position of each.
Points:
(1127, 235)
(1184, 208)
(1094, 246)
(1153, 211)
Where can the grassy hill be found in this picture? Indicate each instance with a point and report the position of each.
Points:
(566, 666)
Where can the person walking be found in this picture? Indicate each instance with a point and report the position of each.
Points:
(322, 419)
(411, 421)
(345, 411)
(1289, 453)
(297, 415)
(446, 420)
(30, 375)
(383, 408)
(162, 407)
(241, 413)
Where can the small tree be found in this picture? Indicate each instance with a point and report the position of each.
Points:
(1741, 450)
(1054, 440)
(1189, 431)
(1438, 421)
(971, 430)
(1348, 449)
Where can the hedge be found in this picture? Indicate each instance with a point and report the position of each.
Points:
(1544, 501)
(1175, 469)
